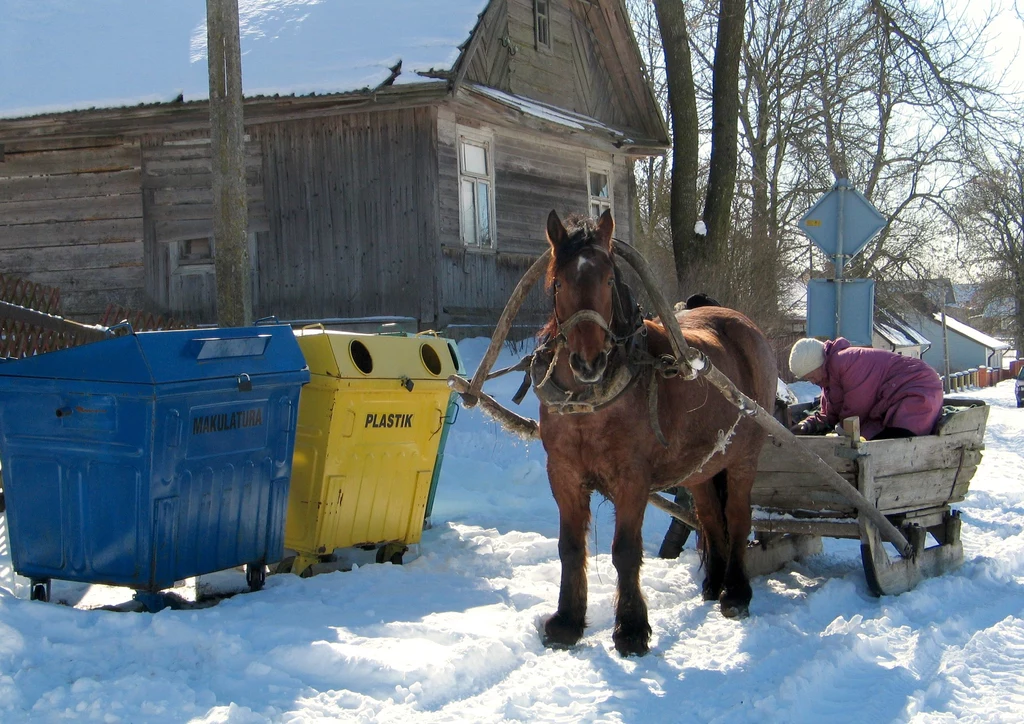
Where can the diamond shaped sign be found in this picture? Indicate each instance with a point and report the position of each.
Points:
(860, 221)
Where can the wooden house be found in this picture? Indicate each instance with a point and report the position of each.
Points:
(421, 193)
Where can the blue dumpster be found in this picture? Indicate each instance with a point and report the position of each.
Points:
(152, 457)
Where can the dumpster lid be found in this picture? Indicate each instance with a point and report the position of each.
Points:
(170, 356)
(352, 355)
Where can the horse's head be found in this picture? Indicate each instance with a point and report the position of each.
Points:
(582, 276)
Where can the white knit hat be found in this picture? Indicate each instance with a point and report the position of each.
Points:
(808, 355)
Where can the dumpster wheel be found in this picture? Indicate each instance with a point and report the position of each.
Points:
(255, 576)
(391, 553)
(40, 590)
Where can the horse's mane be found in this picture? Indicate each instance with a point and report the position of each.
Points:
(581, 232)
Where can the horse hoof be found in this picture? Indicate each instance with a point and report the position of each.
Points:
(561, 634)
(637, 644)
(734, 609)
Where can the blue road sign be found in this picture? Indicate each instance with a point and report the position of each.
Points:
(860, 221)
(857, 302)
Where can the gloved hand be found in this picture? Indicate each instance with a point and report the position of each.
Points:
(809, 426)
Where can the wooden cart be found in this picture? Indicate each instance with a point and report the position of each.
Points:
(912, 481)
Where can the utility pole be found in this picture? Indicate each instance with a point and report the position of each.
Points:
(227, 144)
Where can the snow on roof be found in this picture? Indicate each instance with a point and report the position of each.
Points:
(544, 111)
(897, 332)
(64, 55)
(971, 333)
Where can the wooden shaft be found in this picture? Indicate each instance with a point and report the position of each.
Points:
(522, 426)
(473, 392)
(661, 305)
(674, 509)
(784, 437)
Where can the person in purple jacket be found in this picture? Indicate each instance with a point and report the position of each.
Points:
(894, 396)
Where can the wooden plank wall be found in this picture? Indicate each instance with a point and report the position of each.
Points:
(534, 173)
(71, 217)
(489, 64)
(352, 204)
(177, 192)
(571, 76)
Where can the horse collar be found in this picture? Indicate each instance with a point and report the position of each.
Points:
(591, 398)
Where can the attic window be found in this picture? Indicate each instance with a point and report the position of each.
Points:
(542, 24)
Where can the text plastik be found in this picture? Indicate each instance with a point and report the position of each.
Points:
(390, 420)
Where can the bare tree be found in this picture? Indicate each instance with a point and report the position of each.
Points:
(991, 225)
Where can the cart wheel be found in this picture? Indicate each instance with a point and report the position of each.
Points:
(255, 576)
(40, 590)
(391, 553)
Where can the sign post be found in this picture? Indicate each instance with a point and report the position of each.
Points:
(841, 223)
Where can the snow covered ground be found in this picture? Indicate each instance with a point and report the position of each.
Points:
(453, 634)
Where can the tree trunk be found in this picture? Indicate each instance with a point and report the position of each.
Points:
(686, 245)
(725, 110)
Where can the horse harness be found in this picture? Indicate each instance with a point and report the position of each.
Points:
(629, 360)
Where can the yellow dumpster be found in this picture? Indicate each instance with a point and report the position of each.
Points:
(370, 424)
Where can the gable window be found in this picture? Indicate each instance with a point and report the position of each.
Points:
(542, 23)
(476, 188)
(599, 188)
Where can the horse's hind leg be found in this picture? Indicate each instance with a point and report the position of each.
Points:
(632, 633)
(708, 498)
(736, 593)
(565, 627)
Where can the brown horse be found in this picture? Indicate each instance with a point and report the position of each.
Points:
(613, 421)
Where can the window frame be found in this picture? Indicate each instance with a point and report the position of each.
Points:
(602, 202)
(476, 137)
(542, 22)
(183, 265)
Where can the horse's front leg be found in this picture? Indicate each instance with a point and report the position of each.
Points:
(565, 627)
(632, 634)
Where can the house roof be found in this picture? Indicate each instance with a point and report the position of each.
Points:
(896, 331)
(65, 56)
(971, 333)
(559, 116)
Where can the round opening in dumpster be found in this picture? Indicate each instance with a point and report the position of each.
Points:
(361, 357)
(430, 359)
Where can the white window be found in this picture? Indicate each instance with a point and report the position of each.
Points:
(476, 188)
(542, 24)
(599, 188)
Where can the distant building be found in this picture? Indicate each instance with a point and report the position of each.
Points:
(969, 348)
(892, 332)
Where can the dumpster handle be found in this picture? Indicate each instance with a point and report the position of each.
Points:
(122, 328)
(272, 319)
(315, 325)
